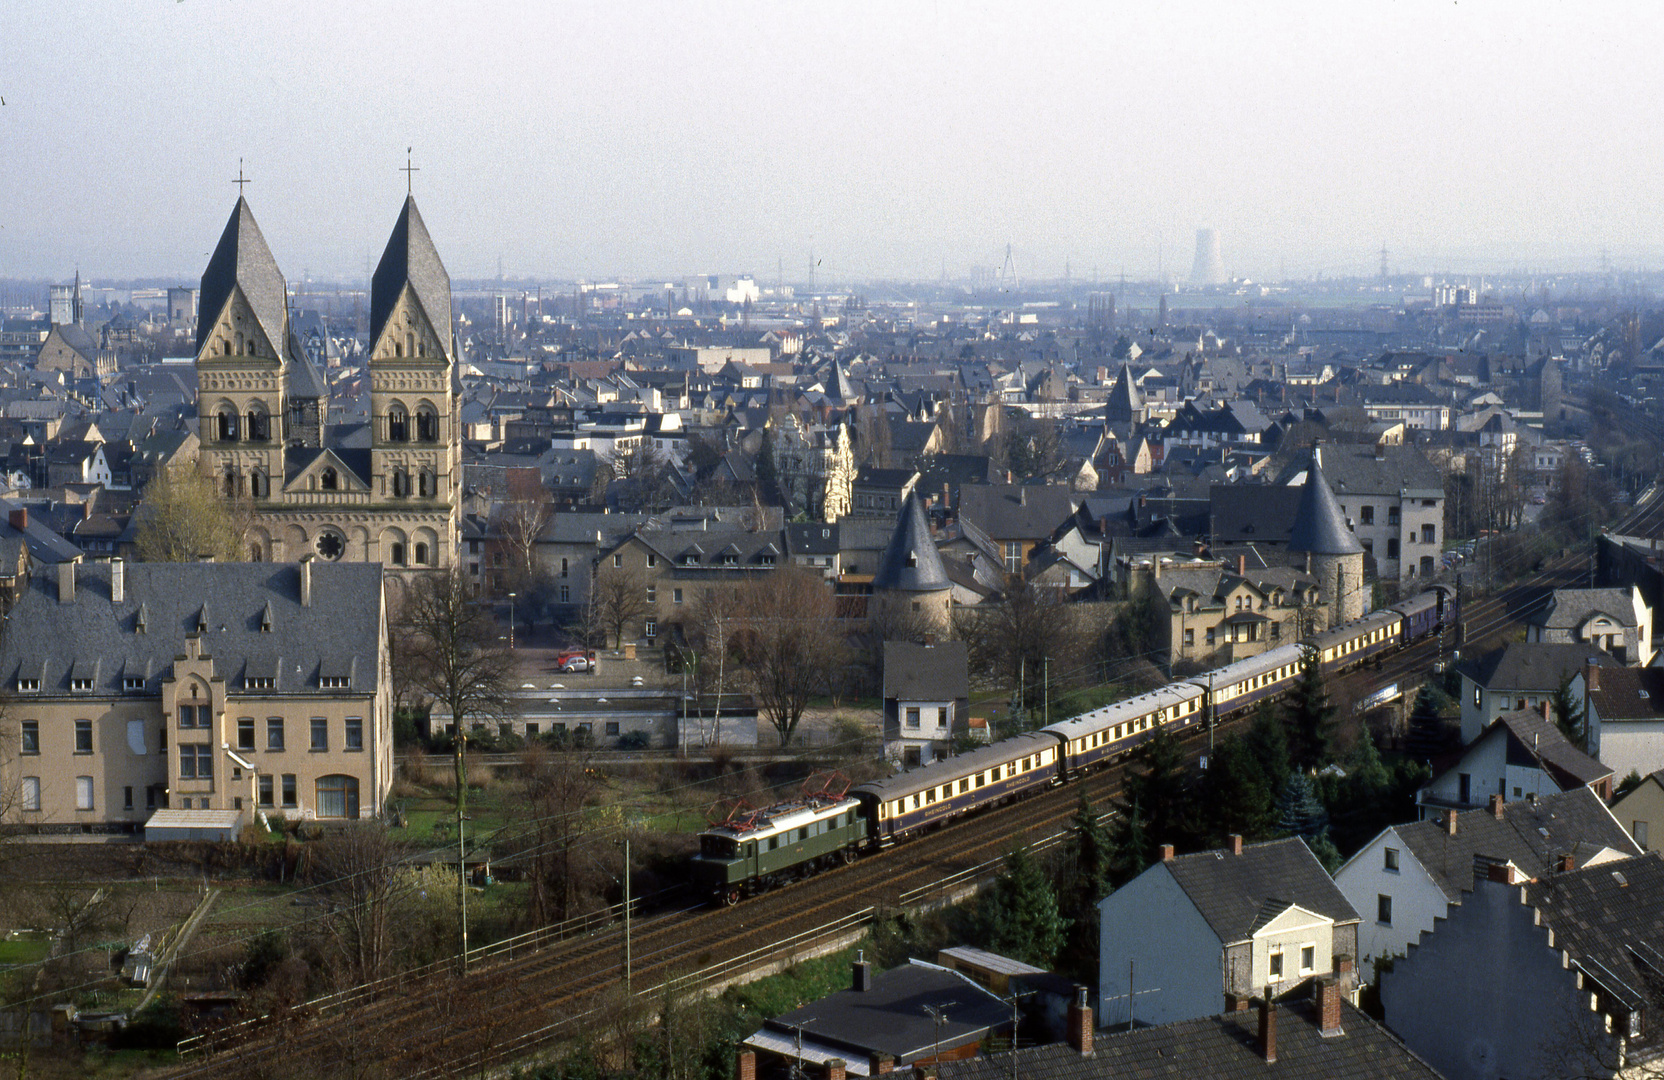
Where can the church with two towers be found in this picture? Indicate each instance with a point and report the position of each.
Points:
(388, 491)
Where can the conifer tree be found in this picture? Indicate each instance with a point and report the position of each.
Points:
(1569, 714)
(1089, 854)
(1267, 739)
(1019, 916)
(1158, 787)
(1235, 795)
(1310, 715)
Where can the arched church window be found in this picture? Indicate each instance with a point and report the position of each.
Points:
(425, 483)
(226, 425)
(230, 483)
(421, 554)
(409, 344)
(427, 424)
(401, 483)
(398, 424)
(259, 426)
(397, 554)
(328, 480)
(257, 486)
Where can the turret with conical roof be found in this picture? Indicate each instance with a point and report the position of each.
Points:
(912, 571)
(1125, 403)
(1325, 544)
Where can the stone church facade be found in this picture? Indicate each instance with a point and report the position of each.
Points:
(386, 492)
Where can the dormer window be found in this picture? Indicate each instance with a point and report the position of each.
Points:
(28, 684)
(258, 682)
(730, 559)
(132, 682)
(768, 560)
(334, 682)
(80, 684)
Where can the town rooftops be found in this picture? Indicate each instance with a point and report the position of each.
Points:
(1569, 609)
(1532, 835)
(1231, 891)
(1626, 693)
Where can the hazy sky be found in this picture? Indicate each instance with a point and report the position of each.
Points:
(892, 138)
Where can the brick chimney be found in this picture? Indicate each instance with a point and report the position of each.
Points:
(1591, 674)
(1236, 843)
(1268, 1030)
(1167, 853)
(1548, 710)
(1502, 873)
(1080, 1022)
(835, 1069)
(880, 1063)
(861, 973)
(1238, 1002)
(1242, 566)
(19, 518)
(1450, 823)
(1568, 863)
(745, 1065)
(1328, 995)
(1497, 805)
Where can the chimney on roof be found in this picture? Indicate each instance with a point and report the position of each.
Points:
(1167, 853)
(1548, 710)
(745, 1065)
(1236, 843)
(1500, 872)
(306, 580)
(835, 1068)
(1080, 1022)
(66, 581)
(1450, 823)
(1242, 566)
(1268, 1030)
(19, 518)
(1591, 675)
(1496, 806)
(880, 1064)
(1328, 995)
(861, 974)
(1238, 1002)
(118, 580)
(1380, 449)
(1568, 863)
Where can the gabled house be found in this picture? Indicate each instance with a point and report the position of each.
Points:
(926, 696)
(1623, 711)
(1615, 621)
(1551, 977)
(1521, 755)
(1520, 675)
(1643, 807)
(1192, 931)
(1412, 874)
(1017, 516)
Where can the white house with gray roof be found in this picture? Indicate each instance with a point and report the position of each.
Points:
(1615, 621)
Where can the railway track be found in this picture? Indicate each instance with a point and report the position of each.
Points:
(438, 1023)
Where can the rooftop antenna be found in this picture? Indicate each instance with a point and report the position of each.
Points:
(240, 181)
(410, 172)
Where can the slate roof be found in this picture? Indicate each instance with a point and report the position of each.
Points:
(1230, 890)
(1570, 608)
(1223, 1046)
(1319, 526)
(1532, 665)
(1610, 919)
(938, 672)
(1017, 511)
(1627, 693)
(242, 260)
(889, 1017)
(305, 380)
(1354, 469)
(911, 562)
(1531, 835)
(812, 538)
(411, 258)
(1260, 512)
(48, 639)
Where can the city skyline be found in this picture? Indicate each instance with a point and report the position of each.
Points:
(588, 141)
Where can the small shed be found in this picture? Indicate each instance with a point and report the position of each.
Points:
(220, 825)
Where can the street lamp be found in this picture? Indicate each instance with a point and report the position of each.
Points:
(511, 621)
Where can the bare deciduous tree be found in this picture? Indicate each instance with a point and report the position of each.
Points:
(786, 643)
(518, 521)
(358, 875)
(184, 517)
(620, 598)
(449, 641)
(559, 786)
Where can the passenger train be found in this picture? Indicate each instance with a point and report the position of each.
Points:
(743, 856)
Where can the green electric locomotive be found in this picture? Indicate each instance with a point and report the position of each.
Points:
(750, 851)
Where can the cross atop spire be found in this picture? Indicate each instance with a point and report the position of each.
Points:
(241, 180)
(409, 170)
